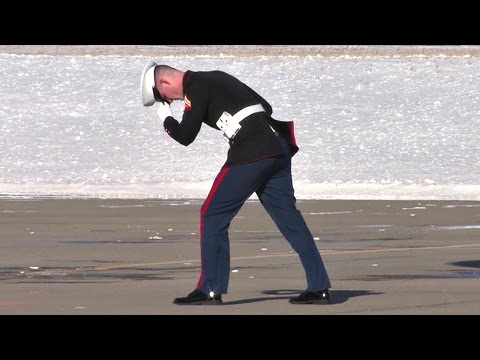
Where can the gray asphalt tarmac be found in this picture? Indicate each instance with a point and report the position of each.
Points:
(62, 256)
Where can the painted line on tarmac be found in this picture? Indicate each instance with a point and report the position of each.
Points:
(280, 255)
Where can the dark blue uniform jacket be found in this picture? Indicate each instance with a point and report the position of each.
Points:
(207, 95)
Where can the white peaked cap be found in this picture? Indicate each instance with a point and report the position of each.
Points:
(147, 83)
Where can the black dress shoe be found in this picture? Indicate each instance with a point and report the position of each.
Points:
(312, 297)
(197, 297)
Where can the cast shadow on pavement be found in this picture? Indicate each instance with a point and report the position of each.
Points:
(468, 263)
(336, 296)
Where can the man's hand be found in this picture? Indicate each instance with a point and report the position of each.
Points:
(164, 111)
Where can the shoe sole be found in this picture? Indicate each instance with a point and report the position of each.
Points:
(202, 302)
(314, 302)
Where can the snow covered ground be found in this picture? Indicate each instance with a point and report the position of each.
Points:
(368, 127)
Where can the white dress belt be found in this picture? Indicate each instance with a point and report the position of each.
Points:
(249, 110)
(230, 125)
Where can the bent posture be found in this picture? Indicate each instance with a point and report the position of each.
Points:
(258, 161)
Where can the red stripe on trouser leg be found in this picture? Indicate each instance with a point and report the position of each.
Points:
(203, 212)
